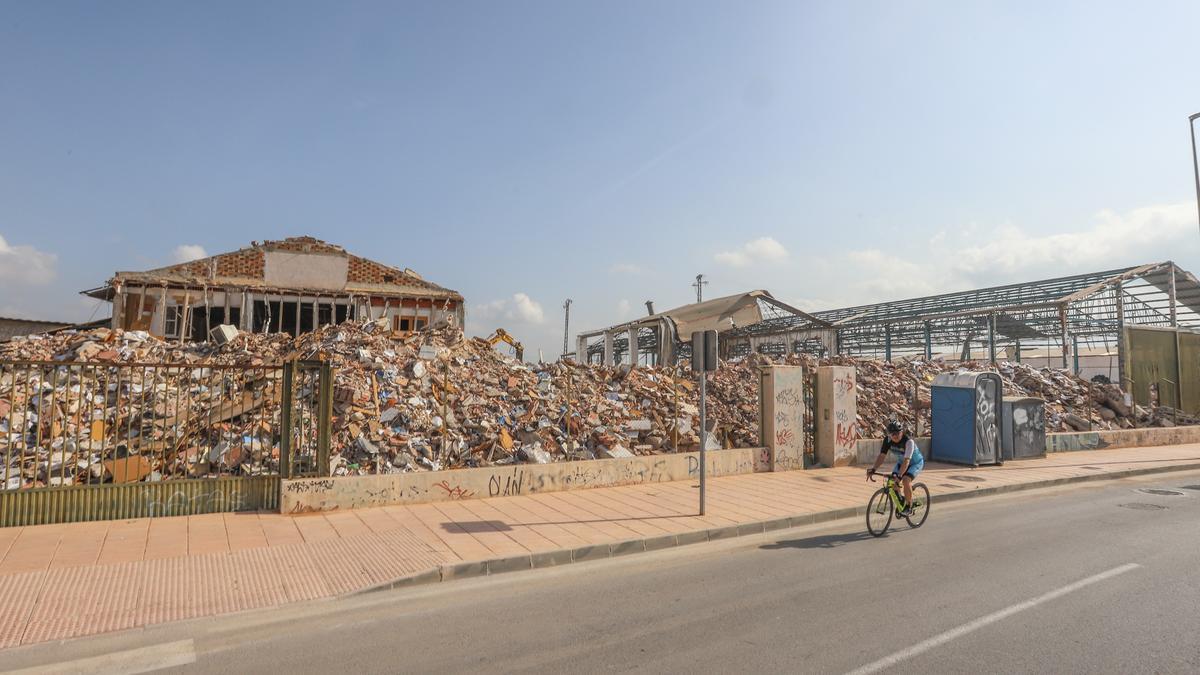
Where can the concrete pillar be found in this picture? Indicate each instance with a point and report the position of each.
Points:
(836, 416)
(1066, 348)
(1119, 290)
(158, 324)
(633, 347)
(992, 338)
(581, 349)
(608, 349)
(1171, 296)
(118, 308)
(781, 417)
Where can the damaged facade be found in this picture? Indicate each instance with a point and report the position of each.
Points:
(293, 286)
(662, 338)
(11, 327)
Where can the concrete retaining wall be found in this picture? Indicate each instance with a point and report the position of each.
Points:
(354, 492)
(1124, 438)
(868, 448)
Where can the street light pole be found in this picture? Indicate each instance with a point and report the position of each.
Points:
(1195, 165)
(566, 324)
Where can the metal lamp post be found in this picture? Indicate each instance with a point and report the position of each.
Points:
(1195, 165)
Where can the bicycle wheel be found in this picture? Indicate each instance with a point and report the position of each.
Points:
(920, 508)
(879, 513)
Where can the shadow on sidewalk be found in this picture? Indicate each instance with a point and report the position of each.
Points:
(822, 541)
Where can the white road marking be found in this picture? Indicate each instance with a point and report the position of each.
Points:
(921, 647)
(142, 660)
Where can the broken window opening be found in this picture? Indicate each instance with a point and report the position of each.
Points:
(258, 316)
(173, 321)
(306, 318)
(287, 317)
(204, 318)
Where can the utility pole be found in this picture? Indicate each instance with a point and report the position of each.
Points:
(566, 323)
(699, 285)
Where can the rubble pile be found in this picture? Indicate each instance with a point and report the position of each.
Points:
(900, 390)
(423, 401)
(426, 401)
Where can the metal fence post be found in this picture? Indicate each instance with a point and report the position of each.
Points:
(285, 420)
(324, 418)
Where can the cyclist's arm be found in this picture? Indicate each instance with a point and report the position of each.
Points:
(879, 460)
(883, 454)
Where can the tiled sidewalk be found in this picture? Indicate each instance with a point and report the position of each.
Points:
(61, 581)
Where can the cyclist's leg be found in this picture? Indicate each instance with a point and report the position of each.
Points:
(909, 476)
(902, 488)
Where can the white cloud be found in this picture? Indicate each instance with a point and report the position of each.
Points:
(187, 253)
(1113, 238)
(625, 269)
(520, 307)
(623, 308)
(761, 250)
(971, 258)
(527, 309)
(26, 264)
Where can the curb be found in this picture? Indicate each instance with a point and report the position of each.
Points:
(479, 568)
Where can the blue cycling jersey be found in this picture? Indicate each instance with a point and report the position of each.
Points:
(906, 448)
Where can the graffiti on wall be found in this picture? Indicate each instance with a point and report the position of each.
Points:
(987, 428)
(785, 432)
(1028, 430)
(846, 435)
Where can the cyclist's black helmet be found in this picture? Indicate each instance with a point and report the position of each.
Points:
(894, 427)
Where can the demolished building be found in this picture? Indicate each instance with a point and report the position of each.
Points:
(294, 286)
(11, 327)
(1138, 327)
(662, 338)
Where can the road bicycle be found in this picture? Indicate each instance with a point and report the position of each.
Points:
(887, 500)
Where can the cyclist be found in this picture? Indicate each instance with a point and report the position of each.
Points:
(909, 465)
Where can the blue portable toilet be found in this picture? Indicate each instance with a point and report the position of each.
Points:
(966, 410)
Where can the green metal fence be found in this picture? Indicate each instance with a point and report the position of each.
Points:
(1162, 367)
(90, 441)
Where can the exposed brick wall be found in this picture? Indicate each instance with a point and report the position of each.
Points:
(302, 245)
(250, 263)
(247, 263)
(244, 264)
(363, 271)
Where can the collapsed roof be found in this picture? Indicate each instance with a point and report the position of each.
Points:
(295, 264)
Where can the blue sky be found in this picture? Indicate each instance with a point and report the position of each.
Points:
(526, 152)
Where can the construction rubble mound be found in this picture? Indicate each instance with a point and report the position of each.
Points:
(429, 400)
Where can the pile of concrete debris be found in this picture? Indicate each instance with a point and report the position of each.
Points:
(422, 401)
(425, 401)
(901, 390)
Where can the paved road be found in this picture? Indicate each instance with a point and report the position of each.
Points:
(1076, 580)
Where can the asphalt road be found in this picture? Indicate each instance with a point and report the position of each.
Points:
(1094, 578)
